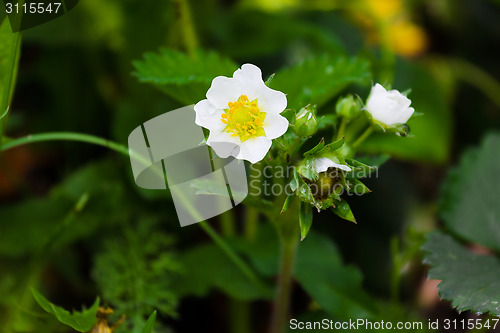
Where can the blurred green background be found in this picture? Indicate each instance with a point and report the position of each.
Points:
(73, 224)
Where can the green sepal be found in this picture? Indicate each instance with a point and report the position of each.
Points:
(359, 170)
(305, 219)
(302, 190)
(270, 79)
(289, 198)
(290, 115)
(306, 169)
(343, 210)
(321, 148)
(399, 129)
(331, 201)
(285, 142)
(355, 186)
(316, 148)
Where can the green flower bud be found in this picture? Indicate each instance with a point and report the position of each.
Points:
(306, 122)
(348, 107)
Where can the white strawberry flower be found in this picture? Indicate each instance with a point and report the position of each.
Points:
(389, 108)
(322, 164)
(242, 115)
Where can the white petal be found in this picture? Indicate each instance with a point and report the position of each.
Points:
(224, 90)
(275, 125)
(250, 77)
(255, 149)
(271, 101)
(322, 164)
(224, 144)
(404, 116)
(248, 72)
(208, 116)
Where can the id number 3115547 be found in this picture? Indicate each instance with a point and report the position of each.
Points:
(32, 8)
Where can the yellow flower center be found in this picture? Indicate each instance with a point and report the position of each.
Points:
(244, 119)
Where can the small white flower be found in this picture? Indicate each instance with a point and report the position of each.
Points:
(388, 107)
(242, 112)
(323, 163)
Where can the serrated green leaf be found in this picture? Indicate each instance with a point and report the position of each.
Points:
(150, 323)
(343, 210)
(305, 219)
(320, 79)
(81, 321)
(469, 280)
(469, 203)
(183, 78)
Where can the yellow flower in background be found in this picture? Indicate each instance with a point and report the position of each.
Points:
(387, 22)
(384, 9)
(407, 39)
